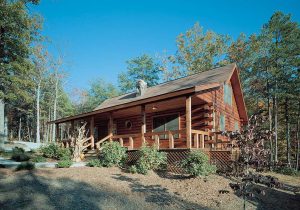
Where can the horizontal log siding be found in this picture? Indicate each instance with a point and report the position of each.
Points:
(229, 111)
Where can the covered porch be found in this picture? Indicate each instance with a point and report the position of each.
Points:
(174, 123)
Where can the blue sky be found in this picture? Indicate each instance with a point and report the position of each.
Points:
(97, 37)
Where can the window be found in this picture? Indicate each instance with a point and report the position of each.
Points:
(227, 94)
(166, 123)
(222, 122)
(236, 126)
(128, 124)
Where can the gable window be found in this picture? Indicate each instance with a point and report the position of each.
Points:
(166, 123)
(222, 122)
(227, 94)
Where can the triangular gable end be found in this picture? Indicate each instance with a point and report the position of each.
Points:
(238, 94)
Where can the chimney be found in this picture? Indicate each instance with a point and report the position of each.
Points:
(141, 87)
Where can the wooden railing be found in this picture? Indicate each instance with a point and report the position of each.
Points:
(101, 141)
(87, 143)
(199, 138)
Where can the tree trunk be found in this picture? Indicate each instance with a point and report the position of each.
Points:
(298, 139)
(38, 137)
(2, 116)
(55, 107)
(270, 128)
(276, 128)
(20, 129)
(287, 132)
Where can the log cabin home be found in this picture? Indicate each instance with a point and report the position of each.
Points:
(185, 113)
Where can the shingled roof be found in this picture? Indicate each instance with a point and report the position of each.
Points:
(215, 76)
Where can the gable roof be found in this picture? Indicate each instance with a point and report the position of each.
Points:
(199, 82)
(215, 76)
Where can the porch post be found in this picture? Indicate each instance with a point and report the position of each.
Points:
(188, 116)
(57, 131)
(72, 129)
(110, 126)
(143, 127)
(92, 130)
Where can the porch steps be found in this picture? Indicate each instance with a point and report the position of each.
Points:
(91, 154)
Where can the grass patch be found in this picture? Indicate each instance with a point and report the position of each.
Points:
(64, 163)
(25, 166)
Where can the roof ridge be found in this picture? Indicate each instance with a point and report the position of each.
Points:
(197, 73)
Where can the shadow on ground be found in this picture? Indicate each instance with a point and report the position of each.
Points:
(157, 194)
(28, 190)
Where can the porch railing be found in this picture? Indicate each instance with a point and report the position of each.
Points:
(154, 138)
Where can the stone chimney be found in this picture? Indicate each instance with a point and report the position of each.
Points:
(141, 87)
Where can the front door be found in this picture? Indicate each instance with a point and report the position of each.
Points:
(102, 128)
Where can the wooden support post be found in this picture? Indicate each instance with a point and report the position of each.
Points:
(143, 127)
(92, 130)
(202, 141)
(57, 131)
(72, 128)
(130, 142)
(157, 141)
(110, 126)
(196, 140)
(171, 141)
(121, 142)
(188, 113)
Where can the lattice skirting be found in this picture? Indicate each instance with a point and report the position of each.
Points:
(222, 159)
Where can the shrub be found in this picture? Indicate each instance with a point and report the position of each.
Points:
(112, 154)
(94, 163)
(133, 169)
(56, 152)
(18, 154)
(287, 171)
(150, 159)
(25, 166)
(197, 164)
(38, 159)
(64, 163)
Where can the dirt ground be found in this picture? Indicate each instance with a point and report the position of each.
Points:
(110, 188)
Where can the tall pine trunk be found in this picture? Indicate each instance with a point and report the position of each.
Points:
(287, 132)
(276, 128)
(38, 137)
(2, 117)
(55, 107)
(298, 138)
(20, 129)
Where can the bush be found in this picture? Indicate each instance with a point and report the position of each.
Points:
(64, 163)
(197, 164)
(38, 159)
(94, 163)
(150, 159)
(25, 166)
(287, 171)
(112, 154)
(133, 169)
(18, 154)
(56, 152)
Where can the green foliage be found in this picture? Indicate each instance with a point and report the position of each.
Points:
(133, 169)
(112, 154)
(94, 163)
(18, 154)
(287, 171)
(197, 164)
(64, 164)
(38, 159)
(56, 152)
(142, 67)
(150, 159)
(200, 51)
(25, 166)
